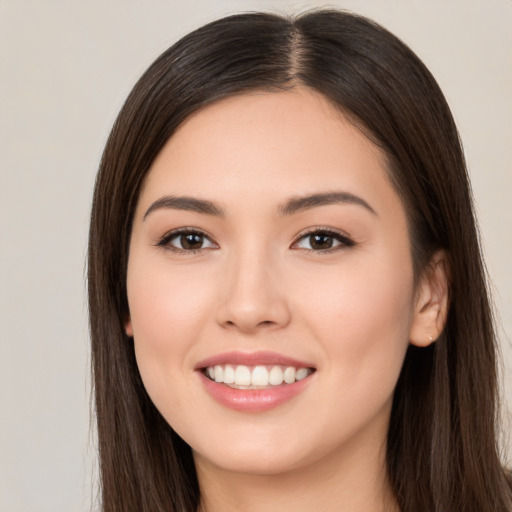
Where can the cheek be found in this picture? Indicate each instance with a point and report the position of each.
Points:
(165, 302)
(168, 309)
(362, 319)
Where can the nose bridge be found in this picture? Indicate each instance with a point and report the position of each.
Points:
(254, 296)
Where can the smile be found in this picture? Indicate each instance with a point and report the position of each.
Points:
(255, 377)
(254, 382)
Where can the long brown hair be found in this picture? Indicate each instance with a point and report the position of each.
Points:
(442, 453)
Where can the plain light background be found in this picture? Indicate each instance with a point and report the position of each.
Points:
(65, 69)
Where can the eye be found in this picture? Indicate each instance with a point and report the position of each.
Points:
(323, 240)
(186, 240)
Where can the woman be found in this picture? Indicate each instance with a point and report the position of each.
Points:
(288, 303)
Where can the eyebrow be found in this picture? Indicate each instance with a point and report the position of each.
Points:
(185, 203)
(301, 203)
(293, 205)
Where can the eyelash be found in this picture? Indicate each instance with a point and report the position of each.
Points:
(344, 241)
(165, 241)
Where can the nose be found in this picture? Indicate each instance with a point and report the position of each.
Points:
(253, 297)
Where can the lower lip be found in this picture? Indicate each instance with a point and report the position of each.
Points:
(253, 400)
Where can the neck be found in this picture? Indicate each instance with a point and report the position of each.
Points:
(355, 480)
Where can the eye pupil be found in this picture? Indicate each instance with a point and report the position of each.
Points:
(191, 241)
(320, 241)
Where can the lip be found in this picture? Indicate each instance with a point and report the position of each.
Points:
(252, 400)
(260, 358)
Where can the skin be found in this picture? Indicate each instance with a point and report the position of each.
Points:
(257, 284)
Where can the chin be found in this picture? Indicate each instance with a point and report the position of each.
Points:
(256, 463)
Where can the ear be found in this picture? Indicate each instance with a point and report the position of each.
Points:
(432, 301)
(128, 329)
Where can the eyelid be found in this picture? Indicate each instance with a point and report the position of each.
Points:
(345, 240)
(164, 241)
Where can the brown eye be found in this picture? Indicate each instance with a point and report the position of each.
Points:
(186, 241)
(191, 241)
(322, 240)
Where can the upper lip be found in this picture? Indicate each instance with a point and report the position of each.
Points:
(260, 358)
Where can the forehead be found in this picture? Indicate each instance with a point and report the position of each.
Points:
(268, 145)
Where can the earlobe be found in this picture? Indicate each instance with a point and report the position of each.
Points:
(128, 329)
(432, 302)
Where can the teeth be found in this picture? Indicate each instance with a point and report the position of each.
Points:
(219, 374)
(275, 376)
(242, 376)
(256, 377)
(300, 374)
(229, 374)
(289, 375)
(259, 376)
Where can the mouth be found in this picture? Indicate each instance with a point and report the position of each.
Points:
(254, 382)
(241, 376)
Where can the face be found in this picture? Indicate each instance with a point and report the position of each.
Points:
(270, 284)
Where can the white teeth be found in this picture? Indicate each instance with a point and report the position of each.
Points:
(242, 376)
(289, 375)
(229, 374)
(257, 377)
(300, 374)
(275, 377)
(219, 373)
